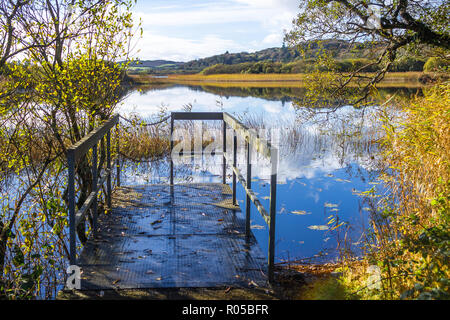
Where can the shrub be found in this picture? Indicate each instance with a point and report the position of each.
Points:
(436, 64)
(411, 232)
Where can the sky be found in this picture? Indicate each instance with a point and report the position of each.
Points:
(184, 30)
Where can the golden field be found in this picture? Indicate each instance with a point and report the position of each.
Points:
(394, 79)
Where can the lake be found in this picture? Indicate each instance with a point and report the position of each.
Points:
(326, 160)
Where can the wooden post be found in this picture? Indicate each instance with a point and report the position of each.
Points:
(71, 200)
(94, 188)
(108, 167)
(273, 202)
(249, 186)
(224, 169)
(171, 148)
(234, 165)
(118, 156)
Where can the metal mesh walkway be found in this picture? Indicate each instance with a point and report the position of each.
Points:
(158, 236)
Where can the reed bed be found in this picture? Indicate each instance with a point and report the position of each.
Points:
(409, 241)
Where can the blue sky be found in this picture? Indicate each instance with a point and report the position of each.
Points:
(184, 30)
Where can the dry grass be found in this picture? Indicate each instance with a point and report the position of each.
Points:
(395, 79)
(411, 230)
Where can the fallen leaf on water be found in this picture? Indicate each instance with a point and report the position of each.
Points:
(300, 212)
(322, 227)
(150, 272)
(219, 219)
(116, 281)
(155, 222)
(252, 283)
(158, 279)
(227, 289)
(330, 205)
(256, 226)
(342, 180)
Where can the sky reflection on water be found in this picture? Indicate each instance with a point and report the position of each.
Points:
(321, 171)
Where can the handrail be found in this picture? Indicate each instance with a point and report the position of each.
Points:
(76, 152)
(261, 146)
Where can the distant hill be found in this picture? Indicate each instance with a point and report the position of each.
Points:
(154, 64)
(278, 60)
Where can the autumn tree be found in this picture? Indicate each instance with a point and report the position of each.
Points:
(389, 27)
(61, 79)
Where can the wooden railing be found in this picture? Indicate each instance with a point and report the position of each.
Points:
(252, 141)
(74, 154)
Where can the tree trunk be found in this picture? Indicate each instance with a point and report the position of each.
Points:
(3, 241)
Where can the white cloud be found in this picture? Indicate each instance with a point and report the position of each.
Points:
(273, 39)
(154, 47)
(204, 15)
(265, 20)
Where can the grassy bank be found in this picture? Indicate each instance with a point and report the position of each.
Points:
(399, 79)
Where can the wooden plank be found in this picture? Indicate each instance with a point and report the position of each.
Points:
(249, 186)
(261, 146)
(81, 213)
(252, 197)
(80, 148)
(197, 115)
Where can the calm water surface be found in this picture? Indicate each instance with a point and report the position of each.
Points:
(326, 160)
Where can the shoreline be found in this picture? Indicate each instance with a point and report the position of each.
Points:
(395, 79)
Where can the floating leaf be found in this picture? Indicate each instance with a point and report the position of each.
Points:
(321, 227)
(256, 226)
(342, 180)
(300, 212)
(330, 205)
(155, 222)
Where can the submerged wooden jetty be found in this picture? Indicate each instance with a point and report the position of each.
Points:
(171, 235)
